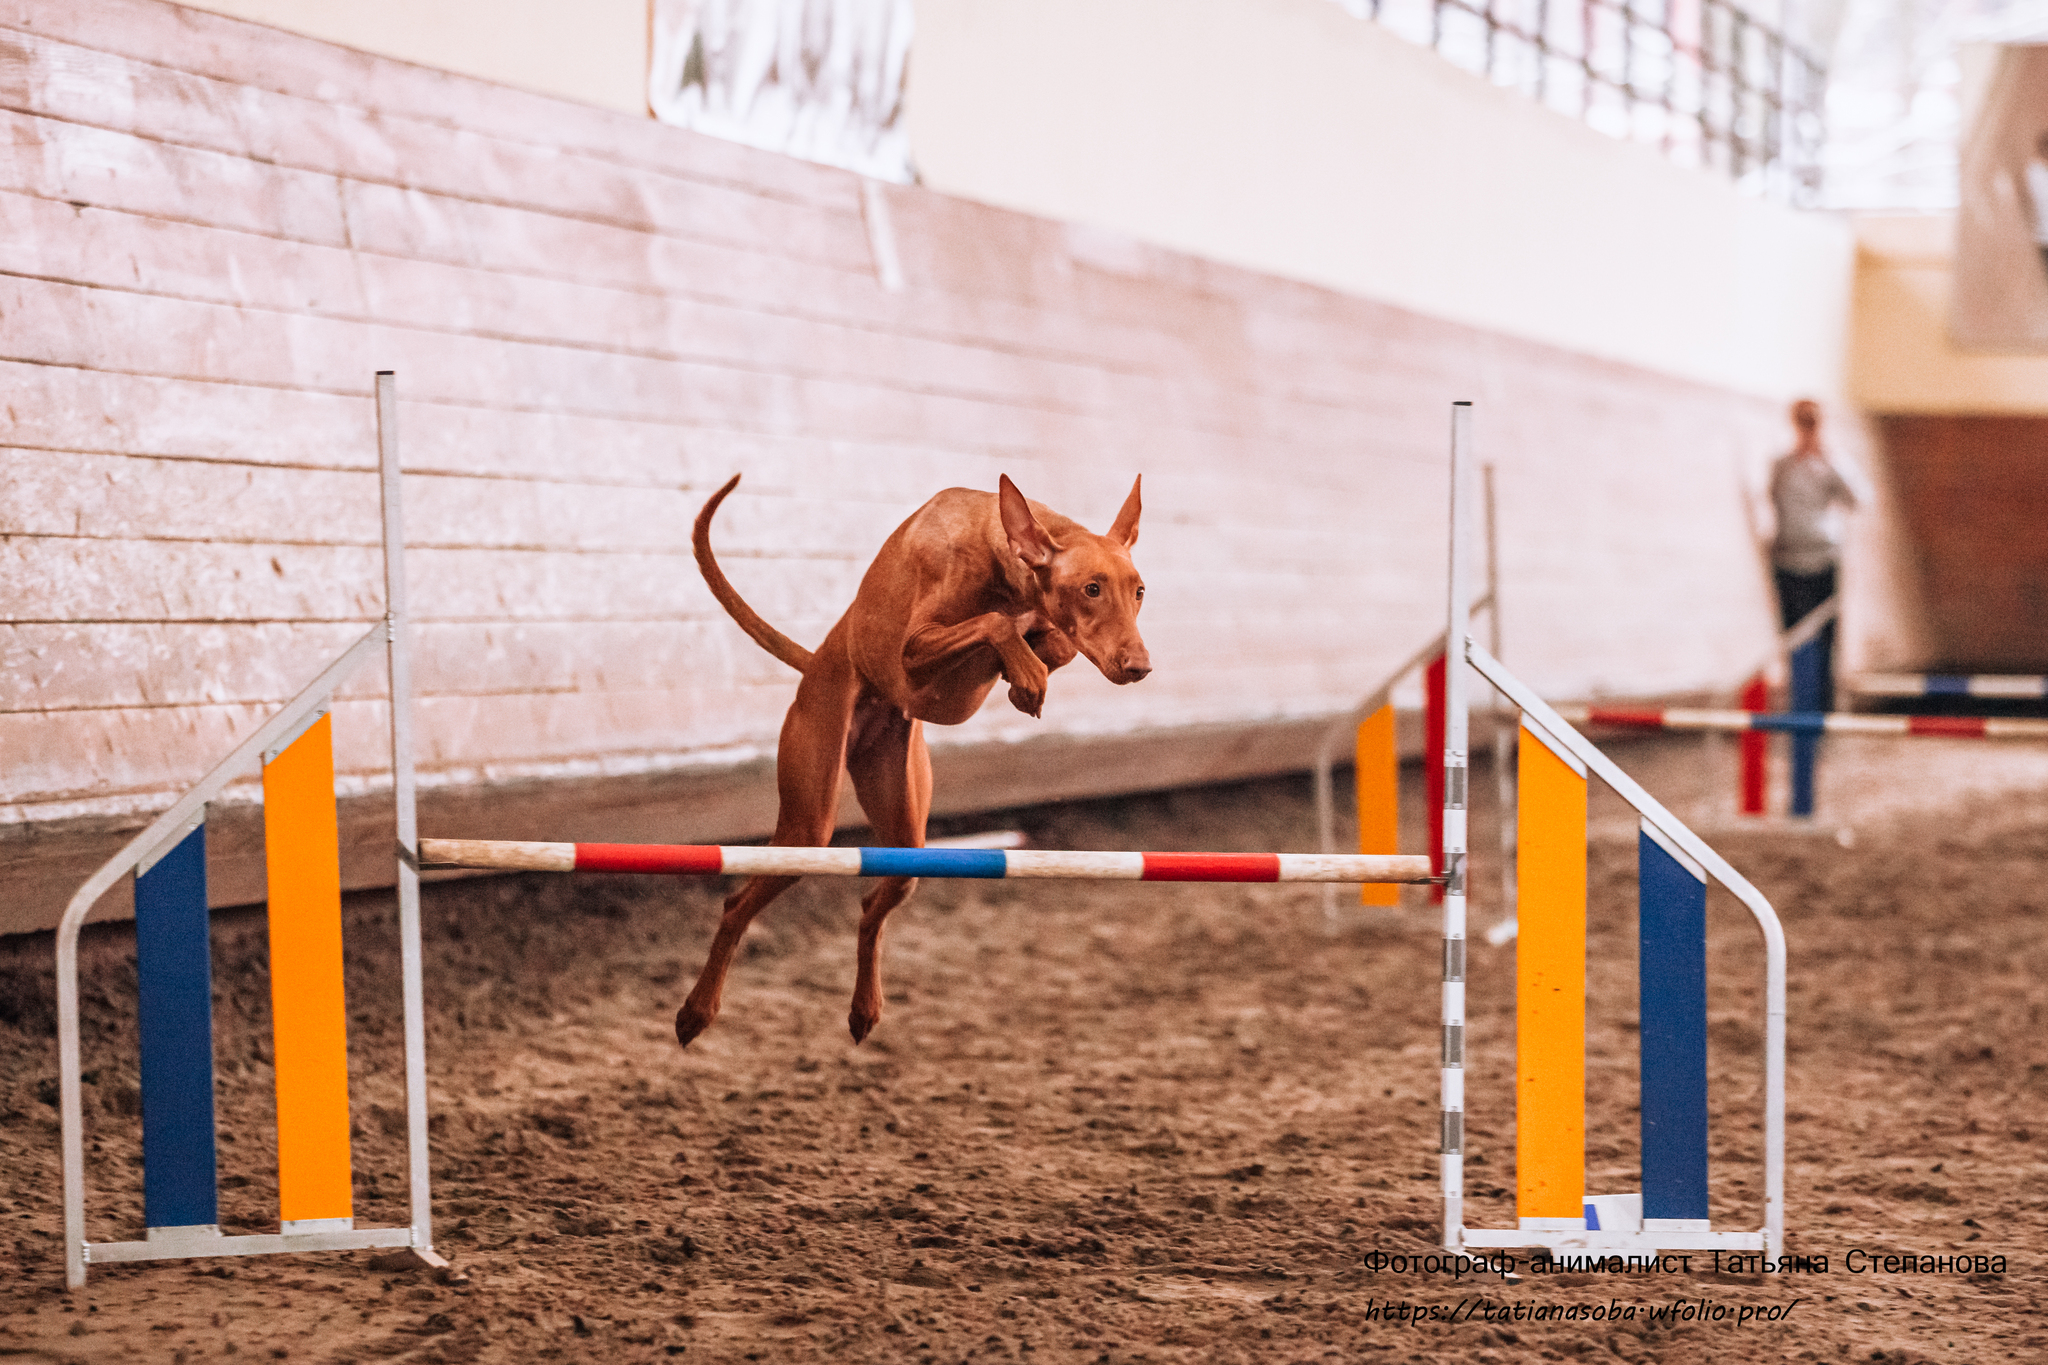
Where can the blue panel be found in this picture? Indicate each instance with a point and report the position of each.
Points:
(174, 967)
(1672, 979)
(1945, 685)
(932, 862)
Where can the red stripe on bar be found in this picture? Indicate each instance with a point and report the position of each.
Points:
(1969, 727)
(1212, 867)
(1625, 715)
(684, 860)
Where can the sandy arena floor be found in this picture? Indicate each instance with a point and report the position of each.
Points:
(1099, 1122)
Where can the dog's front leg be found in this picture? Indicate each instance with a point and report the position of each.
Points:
(932, 650)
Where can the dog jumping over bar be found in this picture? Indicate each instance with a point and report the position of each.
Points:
(973, 588)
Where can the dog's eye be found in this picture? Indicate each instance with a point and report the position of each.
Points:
(1093, 590)
(1141, 592)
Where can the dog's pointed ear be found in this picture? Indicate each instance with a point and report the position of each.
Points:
(1125, 529)
(1028, 539)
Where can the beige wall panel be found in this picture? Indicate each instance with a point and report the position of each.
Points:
(80, 666)
(120, 497)
(157, 415)
(60, 579)
(119, 249)
(86, 165)
(411, 223)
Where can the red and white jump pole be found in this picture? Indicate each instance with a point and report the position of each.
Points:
(1804, 722)
(770, 860)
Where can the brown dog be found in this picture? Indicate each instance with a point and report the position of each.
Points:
(974, 587)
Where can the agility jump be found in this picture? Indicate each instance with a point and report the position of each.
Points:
(294, 751)
(1553, 1207)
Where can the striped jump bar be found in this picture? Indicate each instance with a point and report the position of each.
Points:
(756, 860)
(1805, 722)
(2012, 686)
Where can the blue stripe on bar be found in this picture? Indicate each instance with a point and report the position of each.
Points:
(1790, 722)
(1672, 981)
(932, 862)
(1944, 685)
(174, 967)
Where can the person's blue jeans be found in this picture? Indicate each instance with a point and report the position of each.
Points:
(1813, 686)
(1813, 671)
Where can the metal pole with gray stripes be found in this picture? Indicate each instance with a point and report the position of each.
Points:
(1457, 630)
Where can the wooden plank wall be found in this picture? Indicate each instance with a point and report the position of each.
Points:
(217, 232)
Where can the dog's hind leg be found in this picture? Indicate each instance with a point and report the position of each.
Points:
(892, 775)
(808, 763)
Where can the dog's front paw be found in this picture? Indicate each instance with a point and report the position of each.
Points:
(1029, 700)
(1027, 678)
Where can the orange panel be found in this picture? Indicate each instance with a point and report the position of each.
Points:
(308, 1012)
(1379, 798)
(1550, 987)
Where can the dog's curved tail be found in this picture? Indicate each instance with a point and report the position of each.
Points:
(765, 635)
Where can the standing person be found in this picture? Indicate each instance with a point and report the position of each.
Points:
(1806, 488)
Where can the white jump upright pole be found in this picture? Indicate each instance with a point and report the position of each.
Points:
(1457, 769)
(398, 632)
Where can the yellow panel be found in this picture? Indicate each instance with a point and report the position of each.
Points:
(1550, 987)
(1379, 798)
(308, 1013)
